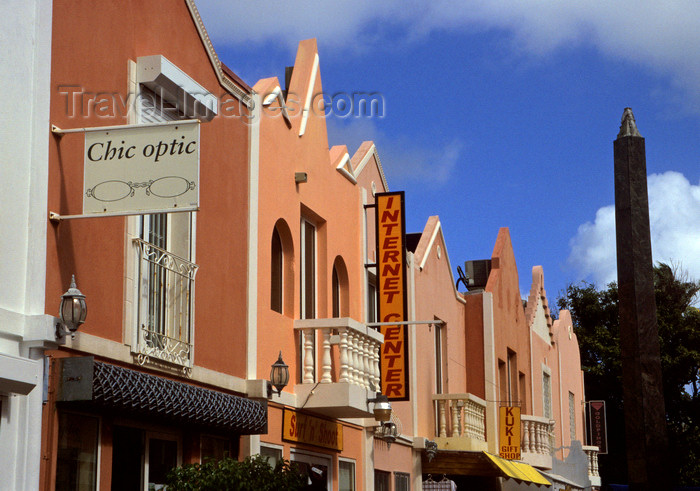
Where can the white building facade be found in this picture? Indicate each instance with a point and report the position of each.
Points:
(25, 331)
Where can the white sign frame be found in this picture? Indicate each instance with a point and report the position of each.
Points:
(140, 169)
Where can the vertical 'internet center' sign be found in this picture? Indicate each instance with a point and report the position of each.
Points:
(391, 278)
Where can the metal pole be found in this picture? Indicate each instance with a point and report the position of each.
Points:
(56, 130)
(404, 323)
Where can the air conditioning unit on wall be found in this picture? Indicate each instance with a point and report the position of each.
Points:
(477, 273)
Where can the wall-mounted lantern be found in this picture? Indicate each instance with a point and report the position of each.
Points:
(73, 311)
(431, 448)
(382, 408)
(279, 376)
(388, 432)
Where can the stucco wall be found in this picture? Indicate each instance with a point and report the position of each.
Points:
(327, 199)
(25, 35)
(510, 328)
(95, 249)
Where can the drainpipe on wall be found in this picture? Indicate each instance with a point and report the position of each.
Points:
(561, 404)
(490, 373)
(250, 445)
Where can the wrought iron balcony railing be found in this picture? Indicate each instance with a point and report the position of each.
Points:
(165, 305)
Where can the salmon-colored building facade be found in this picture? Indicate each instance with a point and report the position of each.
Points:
(278, 257)
(157, 375)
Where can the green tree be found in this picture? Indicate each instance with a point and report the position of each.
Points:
(252, 474)
(595, 316)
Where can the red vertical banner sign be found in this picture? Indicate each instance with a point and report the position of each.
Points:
(391, 286)
(597, 426)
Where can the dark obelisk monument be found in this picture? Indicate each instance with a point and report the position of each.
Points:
(645, 415)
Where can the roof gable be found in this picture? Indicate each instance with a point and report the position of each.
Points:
(432, 240)
(229, 80)
(537, 313)
(367, 154)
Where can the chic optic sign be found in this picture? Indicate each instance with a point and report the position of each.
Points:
(142, 168)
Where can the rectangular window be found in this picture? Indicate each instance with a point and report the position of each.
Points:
(346, 479)
(335, 292)
(154, 229)
(382, 480)
(401, 481)
(161, 458)
(318, 467)
(438, 359)
(512, 374)
(142, 460)
(273, 454)
(308, 291)
(78, 443)
(171, 233)
(572, 416)
(166, 287)
(522, 392)
(165, 268)
(308, 270)
(371, 298)
(547, 394)
(214, 448)
(502, 382)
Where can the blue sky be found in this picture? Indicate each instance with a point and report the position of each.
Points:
(503, 114)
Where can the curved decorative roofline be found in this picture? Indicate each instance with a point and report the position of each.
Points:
(537, 291)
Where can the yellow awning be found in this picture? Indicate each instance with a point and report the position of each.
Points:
(518, 470)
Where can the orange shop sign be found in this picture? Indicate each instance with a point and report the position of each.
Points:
(391, 279)
(509, 423)
(302, 428)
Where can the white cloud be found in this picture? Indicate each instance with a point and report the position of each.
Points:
(403, 158)
(674, 216)
(662, 36)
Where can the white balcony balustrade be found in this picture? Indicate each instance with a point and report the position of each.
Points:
(461, 422)
(346, 368)
(537, 440)
(592, 454)
(165, 285)
(357, 349)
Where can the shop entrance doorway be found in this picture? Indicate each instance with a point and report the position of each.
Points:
(141, 459)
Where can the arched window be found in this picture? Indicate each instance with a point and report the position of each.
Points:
(282, 269)
(340, 295)
(335, 293)
(276, 272)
